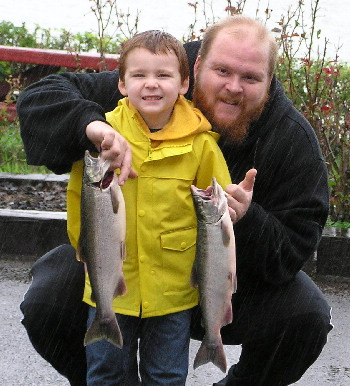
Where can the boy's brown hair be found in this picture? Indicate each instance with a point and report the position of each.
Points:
(157, 42)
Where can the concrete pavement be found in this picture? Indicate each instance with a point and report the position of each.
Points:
(21, 365)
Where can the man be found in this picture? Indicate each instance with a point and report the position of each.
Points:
(280, 318)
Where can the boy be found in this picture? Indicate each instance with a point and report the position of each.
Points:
(171, 149)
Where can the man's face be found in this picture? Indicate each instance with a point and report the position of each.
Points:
(232, 83)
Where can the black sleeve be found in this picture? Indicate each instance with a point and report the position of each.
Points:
(55, 111)
(284, 224)
(274, 244)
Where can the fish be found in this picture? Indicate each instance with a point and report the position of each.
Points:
(214, 270)
(102, 245)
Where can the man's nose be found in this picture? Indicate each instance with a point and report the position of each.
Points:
(234, 85)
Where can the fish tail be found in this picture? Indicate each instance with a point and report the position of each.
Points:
(211, 353)
(104, 328)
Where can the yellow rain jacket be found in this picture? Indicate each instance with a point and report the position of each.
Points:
(160, 215)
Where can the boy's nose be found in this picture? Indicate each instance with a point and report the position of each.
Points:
(151, 82)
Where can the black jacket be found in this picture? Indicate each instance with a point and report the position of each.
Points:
(282, 227)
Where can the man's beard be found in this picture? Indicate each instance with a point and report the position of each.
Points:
(236, 130)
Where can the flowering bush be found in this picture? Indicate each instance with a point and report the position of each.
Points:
(320, 88)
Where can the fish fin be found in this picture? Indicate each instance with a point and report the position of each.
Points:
(106, 328)
(114, 198)
(211, 353)
(120, 289)
(123, 250)
(225, 233)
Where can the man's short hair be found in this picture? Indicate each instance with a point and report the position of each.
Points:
(243, 26)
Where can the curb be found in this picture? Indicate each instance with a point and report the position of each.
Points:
(28, 234)
(34, 178)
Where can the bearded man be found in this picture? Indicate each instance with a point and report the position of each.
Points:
(280, 317)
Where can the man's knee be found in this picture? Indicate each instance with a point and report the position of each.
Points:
(286, 351)
(305, 338)
(280, 353)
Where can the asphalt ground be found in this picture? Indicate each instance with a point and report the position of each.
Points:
(21, 365)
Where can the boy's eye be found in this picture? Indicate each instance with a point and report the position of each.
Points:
(164, 75)
(138, 75)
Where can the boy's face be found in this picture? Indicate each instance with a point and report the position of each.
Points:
(152, 84)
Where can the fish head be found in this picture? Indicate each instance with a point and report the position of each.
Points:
(210, 203)
(96, 171)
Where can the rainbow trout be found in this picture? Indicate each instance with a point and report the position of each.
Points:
(214, 270)
(102, 245)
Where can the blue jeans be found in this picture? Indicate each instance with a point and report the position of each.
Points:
(163, 351)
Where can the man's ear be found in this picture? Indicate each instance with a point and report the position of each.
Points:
(122, 89)
(184, 87)
(196, 65)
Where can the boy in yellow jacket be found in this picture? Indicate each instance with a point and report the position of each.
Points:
(172, 148)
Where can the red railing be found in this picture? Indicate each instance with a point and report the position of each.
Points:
(55, 58)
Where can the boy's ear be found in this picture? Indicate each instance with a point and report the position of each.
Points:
(122, 88)
(184, 87)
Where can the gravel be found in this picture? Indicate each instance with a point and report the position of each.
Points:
(46, 193)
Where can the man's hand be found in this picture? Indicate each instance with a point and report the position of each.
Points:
(113, 147)
(239, 197)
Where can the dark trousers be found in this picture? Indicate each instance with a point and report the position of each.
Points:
(282, 329)
(54, 314)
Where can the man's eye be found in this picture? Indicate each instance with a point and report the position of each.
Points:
(222, 71)
(250, 78)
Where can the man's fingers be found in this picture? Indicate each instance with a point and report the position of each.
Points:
(240, 196)
(233, 214)
(248, 183)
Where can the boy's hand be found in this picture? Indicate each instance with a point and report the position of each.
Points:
(113, 147)
(240, 196)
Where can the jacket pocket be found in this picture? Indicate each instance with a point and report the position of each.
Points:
(178, 252)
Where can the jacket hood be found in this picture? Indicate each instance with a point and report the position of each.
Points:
(189, 121)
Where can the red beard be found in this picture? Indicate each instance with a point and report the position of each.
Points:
(234, 131)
